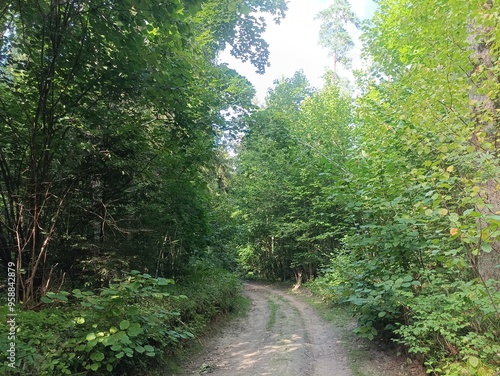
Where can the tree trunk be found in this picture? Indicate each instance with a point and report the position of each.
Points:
(485, 138)
(298, 280)
(5, 253)
(99, 215)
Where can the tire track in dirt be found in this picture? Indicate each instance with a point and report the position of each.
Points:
(280, 336)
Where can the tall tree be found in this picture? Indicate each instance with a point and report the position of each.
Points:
(293, 152)
(68, 65)
(424, 178)
(239, 25)
(486, 121)
(109, 117)
(333, 34)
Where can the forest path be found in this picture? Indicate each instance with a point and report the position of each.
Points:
(280, 336)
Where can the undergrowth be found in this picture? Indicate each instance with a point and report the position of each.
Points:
(130, 327)
(449, 323)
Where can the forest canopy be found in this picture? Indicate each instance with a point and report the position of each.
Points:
(389, 201)
(112, 115)
(131, 158)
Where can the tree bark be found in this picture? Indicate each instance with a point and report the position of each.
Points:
(485, 137)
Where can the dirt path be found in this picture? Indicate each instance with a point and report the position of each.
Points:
(282, 336)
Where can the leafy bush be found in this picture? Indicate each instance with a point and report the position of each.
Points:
(455, 326)
(212, 292)
(330, 277)
(452, 324)
(103, 331)
(119, 329)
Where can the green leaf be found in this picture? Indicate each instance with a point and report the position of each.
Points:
(486, 247)
(97, 356)
(473, 361)
(442, 211)
(164, 281)
(134, 330)
(62, 296)
(95, 366)
(231, 6)
(398, 282)
(90, 345)
(124, 324)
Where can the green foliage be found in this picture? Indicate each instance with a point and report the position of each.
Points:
(110, 119)
(288, 94)
(330, 277)
(417, 191)
(333, 34)
(399, 203)
(280, 189)
(113, 128)
(239, 25)
(119, 328)
(212, 292)
(461, 333)
(100, 332)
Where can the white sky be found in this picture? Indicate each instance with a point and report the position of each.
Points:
(294, 45)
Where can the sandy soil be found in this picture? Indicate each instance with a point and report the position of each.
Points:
(284, 336)
(280, 336)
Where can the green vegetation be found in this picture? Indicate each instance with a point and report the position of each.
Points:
(333, 34)
(135, 324)
(113, 134)
(273, 308)
(114, 123)
(118, 177)
(389, 202)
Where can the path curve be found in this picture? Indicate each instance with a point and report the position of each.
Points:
(281, 336)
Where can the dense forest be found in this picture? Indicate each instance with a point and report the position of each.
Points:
(138, 178)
